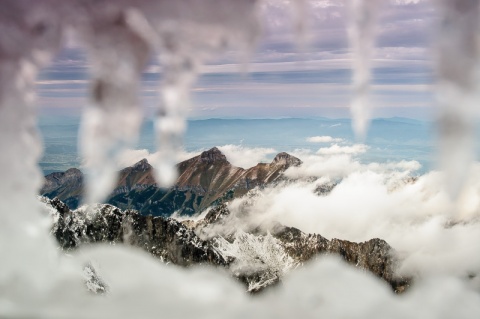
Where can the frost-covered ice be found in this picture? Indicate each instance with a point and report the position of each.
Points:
(118, 50)
(186, 38)
(361, 31)
(458, 68)
(38, 282)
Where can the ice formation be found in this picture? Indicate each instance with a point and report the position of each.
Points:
(30, 35)
(37, 282)
(362, 38)
(185, 39)
(118, 49)
(458, 57)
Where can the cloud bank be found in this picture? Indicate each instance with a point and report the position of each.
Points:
(431, 233)
(246, 157)
(324, 139)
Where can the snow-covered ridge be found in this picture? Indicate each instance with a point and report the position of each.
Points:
(258, 257)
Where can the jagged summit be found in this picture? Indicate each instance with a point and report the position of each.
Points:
(73, 172)
(142, 165)
(203, 180)
(270, 250)
(137, 176)
(213, 155)
(286, 159)
(67, 185)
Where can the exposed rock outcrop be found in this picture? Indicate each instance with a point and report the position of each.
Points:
(258, 256)
(374, 255)
(165, 238)
(66, 185)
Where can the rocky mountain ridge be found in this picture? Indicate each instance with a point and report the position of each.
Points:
(258, 256)
(203, 180)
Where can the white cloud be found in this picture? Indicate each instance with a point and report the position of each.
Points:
(337, 149)
(140, 283)
(324, 139)
(416, 218)
(245, 157)
(334, 167)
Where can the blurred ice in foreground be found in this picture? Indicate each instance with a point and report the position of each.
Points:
(38, 282)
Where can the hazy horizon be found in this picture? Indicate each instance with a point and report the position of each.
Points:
(389, 140)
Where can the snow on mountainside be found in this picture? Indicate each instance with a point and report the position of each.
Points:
(257, 255)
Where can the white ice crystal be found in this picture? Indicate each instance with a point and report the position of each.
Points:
(458, 68)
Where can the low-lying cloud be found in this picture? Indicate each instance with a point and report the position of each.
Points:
(246, 157)
(414, 214)
(431, 233)
(324, 139)
(337, 149)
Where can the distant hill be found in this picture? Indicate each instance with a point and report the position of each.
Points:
(203, 180)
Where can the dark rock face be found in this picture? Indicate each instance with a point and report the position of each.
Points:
(165, 238)
(374, 255)
(213, 155)
(286, 159)
(203, 180)
(324, 189)
(71, 176)
(66, 185)
(300, 246)
(184, 243)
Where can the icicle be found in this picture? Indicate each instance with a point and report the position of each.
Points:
(363, 19)
(189, 32)
(118, 52)
(30, 34)
(457, 46)
(179, 75)
(301, 24)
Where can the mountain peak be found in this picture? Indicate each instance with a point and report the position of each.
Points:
(142, 165)
(73, 171)
(213, 155)
(286, 159)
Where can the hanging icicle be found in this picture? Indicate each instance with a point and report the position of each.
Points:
(361, 31)
(189, 33)
(118, 52)
(457, 66)
(30, 34)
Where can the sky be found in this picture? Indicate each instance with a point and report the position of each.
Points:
(285, 78)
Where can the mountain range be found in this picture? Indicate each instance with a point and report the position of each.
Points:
(206, 179)
(138, 213)
(258, 255)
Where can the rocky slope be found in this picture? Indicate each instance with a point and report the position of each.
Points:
(258, 255)
(66, 185)
(203, 180)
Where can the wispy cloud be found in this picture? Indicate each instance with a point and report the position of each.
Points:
(324, 139)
